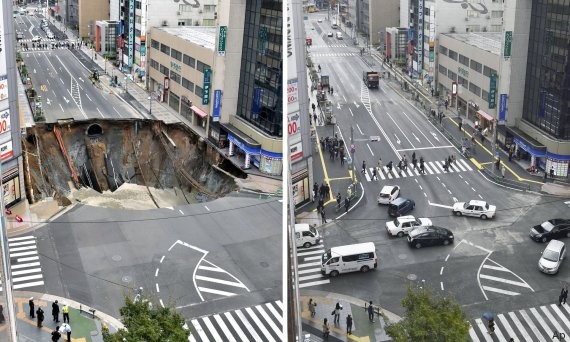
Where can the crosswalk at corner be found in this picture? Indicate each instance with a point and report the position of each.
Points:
(25, 265)
(430, 167)
(533, 324)
(262, 322)
(309, 266)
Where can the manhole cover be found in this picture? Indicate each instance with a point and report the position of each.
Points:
(117, 258)
(412, 277)
(264, 264)
(127, 279)
(402, 256)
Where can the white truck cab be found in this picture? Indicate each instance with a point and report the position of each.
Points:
(306, 236)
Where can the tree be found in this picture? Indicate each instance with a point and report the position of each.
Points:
(146, 323)
(429, 317)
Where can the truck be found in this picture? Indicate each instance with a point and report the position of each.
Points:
(371, 79)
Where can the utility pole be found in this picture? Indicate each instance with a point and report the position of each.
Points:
(292, 245)
(352, 150)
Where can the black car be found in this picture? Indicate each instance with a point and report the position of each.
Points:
(429, 236)
(551, 229)
(400, 206)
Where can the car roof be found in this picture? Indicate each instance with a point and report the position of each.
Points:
(555, 245)
(406, 218)
(387, 188)
(477, 202)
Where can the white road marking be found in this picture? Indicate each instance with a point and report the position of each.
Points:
(28, 271)
(541, 321)
(473, 189)
(320, 251)
(103, 116)
(28, 259)
(441, 283)
(313, 276)
(236, 326)
(507, 281)
(61, 107)
(312, 258)
(13, 255)
(217, 292)
(181, 212)
(425, 195)
(248, 326)
(313, 283)
(15, 244)
(309, 264)
(157, 288)
(372, 153)
(440, 205)
(88, 97)
(424, 148)
(483, 328)
(227, 333)
(20, 279)
(274, 312)
(350, 110)
(310, 270)
(161, 303)
(31, 264)
(268, 319)
(21, 286)
(199, 330)
(212, 330)
(441, 270)
(519, 325)
(466, 165)
(359, 129)
(156, 272)
(428, 168)
(559, 313)
(24, 248)
(207, 207)
(552, 319)
(496, 268)
(162, 259)
(501, 291)
(29, 237)
(533, 327)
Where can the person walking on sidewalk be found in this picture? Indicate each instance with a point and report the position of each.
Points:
(460, 124)
(66, 328)
(379, 164)
(552, 172)
(363, 166)
(370, 312)
(323, 215)
(326, 328)
(563, 296)
(32, 307)
(346, 204)
(328, 190)
(348, 324)
(312, 306)
(65, 313)
(315, 191)
(40, 316)
(55, 311)
(336, 312)
(55, 335)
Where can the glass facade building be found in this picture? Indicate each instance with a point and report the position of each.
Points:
(547, 88)
(260, 84)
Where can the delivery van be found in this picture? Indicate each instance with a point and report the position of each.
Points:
(306, 236)
(350, 258)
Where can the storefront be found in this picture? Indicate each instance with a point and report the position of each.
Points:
(301, 187)
(200, 117)
(11, 186)
(217, 135)
(485, 120)
(526, 149)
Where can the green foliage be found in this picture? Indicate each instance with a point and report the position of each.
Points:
(143, 323)
(429, 317)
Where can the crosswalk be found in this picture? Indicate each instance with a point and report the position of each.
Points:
(430, 167)
(262, 322)
(29, 41)
(321, 46)
(497, 279)
(214, 282)
(533, 324)
(24, 262)
(309, 266)
(333, 54)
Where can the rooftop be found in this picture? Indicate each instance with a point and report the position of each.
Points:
(490, 41)
(204, 36)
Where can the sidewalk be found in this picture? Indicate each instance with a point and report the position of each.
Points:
(84, 327)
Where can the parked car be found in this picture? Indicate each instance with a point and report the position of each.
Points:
(430, 236)
(388, 194)
(339, 35)
(36, 39)
(475, 208)
(400, 206)
(330, 34)
(405, 224)
(552, 257)
(551, 229)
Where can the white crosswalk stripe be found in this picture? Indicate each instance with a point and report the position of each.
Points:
(532, 324)
(262, 322)
(430, 167)
(496, 279)
(332, 54)
(215, 282)
(309, 266)
(25, 274)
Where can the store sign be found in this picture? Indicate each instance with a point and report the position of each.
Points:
(493, 91)
(296, 151)
(5, 122)
(420, 32)
(175, 66)
(294, 124)
(206, 86)
(3, 87)
(431, 35)
(222, 40)
(453, 88)
(508, 43)
(217, 105)
(131, 32)
(292, 91)
(6, 151)
(502, 108)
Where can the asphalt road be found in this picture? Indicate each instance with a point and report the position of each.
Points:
(491, 266)
(203, 258)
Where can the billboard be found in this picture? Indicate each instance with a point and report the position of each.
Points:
(131, 32)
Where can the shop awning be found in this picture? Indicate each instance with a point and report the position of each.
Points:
(199, 112)
(526, 142)
(241, 139)
(485, 115)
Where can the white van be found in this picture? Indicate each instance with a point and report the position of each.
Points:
(349, 258)
(306, 236)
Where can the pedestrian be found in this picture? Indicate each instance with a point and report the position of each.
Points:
(66, 328)
(545, 174)
(322, 190)
(312, 306)
(2, 318)
(55, 311)
(374, 174)
(55, 335)
(414, 162)
(32, 305)
(390, 166)
(314, 107)
(503, 171)
(498, 163)
(341, 155)
(449, 160)
(380, 164)
(510, 155)
(323, 215)
(346, 204)
(564, 294)
(363, 167)
(460, 124)
(336, 313)
(405, 163)
(482, 138)
(315, 191)
(422, 166)
(446, 104)
(440, 117)
(414, 155)
(327, 190)
(65, 313)
(491, 326)
(315, 119)
(321, 203)
(326, 328)
(349, 324)
(370, 312)
(40, 316)
(552, 172)
(323, 143)
(476, 124)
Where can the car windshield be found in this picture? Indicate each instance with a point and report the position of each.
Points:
(384, 195)
(313, 231)
(326, 256)
(547, 226)
(397, 222)
(486, 206)
(550, 255)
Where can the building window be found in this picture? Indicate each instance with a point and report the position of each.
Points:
(175, 77)
(165, 49)
(185, 8)
(181, 23)
(187, 84)
(474, 89)
(155, 44)
(462, 81)
(442, 70)
(472, 14)
(202, 66)
(137, 19)
(176, 54)
(485, 95)
(164, 70)
(496, 14)
(138, 5)
(137, 33)
(154, 64)
(198, 91)
(443, 50)
(209, 8)
(476, 66)
(191, 62)
(473, 28)
(488, 71)
(496, 28)
(452, 75)
(208, 22)
(453, 55)
(463, 60)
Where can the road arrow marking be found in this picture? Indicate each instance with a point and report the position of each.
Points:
(81, 79)
(434, 136)
(66, 100)
(356, 104)
(416, 137)
(48, 101)
(397, 140)
(440, 205)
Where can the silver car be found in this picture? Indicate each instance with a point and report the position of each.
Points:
(552, 257)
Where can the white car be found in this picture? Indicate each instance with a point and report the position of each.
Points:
(475, 208)
(330, 34)
(36, 39)
(50, 35)
(388, 194)
(405, 224)
(320, 20)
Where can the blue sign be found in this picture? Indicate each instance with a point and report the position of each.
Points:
(131, 41)
(217, 105)
(206, 87)
(502, 108)
(410, 34)
(257, 101)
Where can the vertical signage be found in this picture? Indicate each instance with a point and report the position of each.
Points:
(206, 87)
(217, 105)
(388, 45)
(493, 91)
(131, 32)
(292, 91)
(431, 36)
(420, 45)
(222, 40)
(502, 108)
(508, 43)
